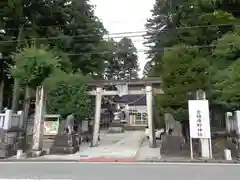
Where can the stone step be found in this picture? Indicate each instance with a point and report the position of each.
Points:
(134, 128)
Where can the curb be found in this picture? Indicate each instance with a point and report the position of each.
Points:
(139, 147)
(37, 160)
(193, 161)
(105, 159)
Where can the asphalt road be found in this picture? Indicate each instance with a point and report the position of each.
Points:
(108, 171)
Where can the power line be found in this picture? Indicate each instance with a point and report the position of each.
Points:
(116, 21)
(144, 31)
(66, 37)
(122, 34)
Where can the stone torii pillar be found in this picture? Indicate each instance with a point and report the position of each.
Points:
(149, 98)
(97, 117)
(39, 121)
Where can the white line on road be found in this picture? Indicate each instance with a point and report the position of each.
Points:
(122, 163)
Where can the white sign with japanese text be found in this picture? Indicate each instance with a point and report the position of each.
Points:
(199, 120)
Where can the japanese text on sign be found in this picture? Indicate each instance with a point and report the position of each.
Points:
(199, 119)
(199, 123)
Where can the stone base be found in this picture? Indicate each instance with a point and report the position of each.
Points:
(36, 153)
(65, 144)
(6, 151)
(20, 154)
(116, 128)
(63, 150)
(3, 153)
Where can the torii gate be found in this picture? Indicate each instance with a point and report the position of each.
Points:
(123, 89)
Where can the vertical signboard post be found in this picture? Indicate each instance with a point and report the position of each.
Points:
(199, 123)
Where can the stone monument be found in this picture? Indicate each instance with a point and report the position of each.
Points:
(3, 145)
(116, 126)
(66, 142)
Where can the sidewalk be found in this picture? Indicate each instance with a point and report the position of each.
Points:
(112, 147)
(146, 153)
(124, 147)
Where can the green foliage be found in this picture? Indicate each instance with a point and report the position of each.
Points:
(67, 94)
(192, 22)
(209, 30)
(83, 33)
(227, 81)
(69, 26)
(227, 50)
(123, 62)
(227, 87)
(33, 65)
(184, 72)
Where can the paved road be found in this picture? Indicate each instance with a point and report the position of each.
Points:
(108, 171)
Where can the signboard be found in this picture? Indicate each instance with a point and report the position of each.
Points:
(199, 120)
(51, 128)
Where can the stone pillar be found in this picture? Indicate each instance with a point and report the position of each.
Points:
(127, 114)
(97, 116)
(149, 96)
(8, 120)
(237, 128)
(39, 121)
(21, 115)
(228, 120)
(205, 145)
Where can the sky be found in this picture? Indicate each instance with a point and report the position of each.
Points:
(119, 16)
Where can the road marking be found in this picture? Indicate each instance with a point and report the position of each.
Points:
(121, 163)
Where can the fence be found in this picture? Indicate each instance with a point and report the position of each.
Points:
(9, 120)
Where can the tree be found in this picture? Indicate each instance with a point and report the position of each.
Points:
(67, 94)
(128, 59)
(227, 88)
(184, 72)
(69, 27)
(192, 22)
(226, 78)
(112, 65)
(147, 71)
(33, 65)
(84, 35)
(226, 50)
(124, 61)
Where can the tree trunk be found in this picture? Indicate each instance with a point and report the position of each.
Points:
(15, 97)
(26, 106)
(16, 87)
(1, 94)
